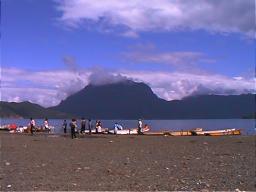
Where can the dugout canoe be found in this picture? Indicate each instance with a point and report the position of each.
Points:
(201, 132)
(219, 132)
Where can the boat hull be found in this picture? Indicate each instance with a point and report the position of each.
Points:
(219, 132)
(180, 133)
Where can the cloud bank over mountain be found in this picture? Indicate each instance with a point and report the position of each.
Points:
(51, 49)
(134, 16)
(48, 88)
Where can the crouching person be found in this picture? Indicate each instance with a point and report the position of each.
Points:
(98, 126)
(117, 127)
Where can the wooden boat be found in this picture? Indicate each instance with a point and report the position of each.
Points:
(181, 133)
(201, 132)
(157, 133)
(219, 132)
(195, 132)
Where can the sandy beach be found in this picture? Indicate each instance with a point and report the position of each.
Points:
(109, 162)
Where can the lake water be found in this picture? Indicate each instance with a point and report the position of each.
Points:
(246, 125)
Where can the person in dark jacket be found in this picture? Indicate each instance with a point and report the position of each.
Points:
(64, 126)
(90, 126)
(83, 125)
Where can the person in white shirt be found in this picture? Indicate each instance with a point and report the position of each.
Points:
(32, 125)
(46, 125)
(140, 127)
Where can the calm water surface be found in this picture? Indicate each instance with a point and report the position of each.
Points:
(246, 125)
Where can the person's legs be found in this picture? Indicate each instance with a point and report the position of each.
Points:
(139, 131)
(72, 133)
(90, 129)
(32, 130)
(82, 129)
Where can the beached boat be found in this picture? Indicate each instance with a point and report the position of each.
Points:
(181, 133)
(157, 133)
(13, 128)
(127, 131)
(93, 131)
(219, 132)
(8, 127)
(124, 132)
(201, 132)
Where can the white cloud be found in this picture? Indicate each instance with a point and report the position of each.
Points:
(176, 85)
(238, 78)
(177, 59)
(100, 76)
(222, 16)
(41, 96)
(48, 88)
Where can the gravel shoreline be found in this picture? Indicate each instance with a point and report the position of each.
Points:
(127, 162)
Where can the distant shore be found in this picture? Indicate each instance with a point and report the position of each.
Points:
(110, 162)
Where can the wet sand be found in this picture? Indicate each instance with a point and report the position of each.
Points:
(109, 162)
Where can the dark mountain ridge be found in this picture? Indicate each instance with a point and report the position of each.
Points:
(27, 110)
(130, 100)
(120, 100)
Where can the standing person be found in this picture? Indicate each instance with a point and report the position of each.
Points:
(90, 126)
(73, 127)
(64, 126)
(140, 127)
(115, 128)
(96, 127)
(32, 125)
(46, 125)
(83, 125)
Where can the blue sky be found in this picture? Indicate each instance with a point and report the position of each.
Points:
(209, 41)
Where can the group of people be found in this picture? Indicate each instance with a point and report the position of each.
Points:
(74, 127)
(44, 127)
(84, 124)
(87, 124)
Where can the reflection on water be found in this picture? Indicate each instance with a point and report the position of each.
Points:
(246, 125)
